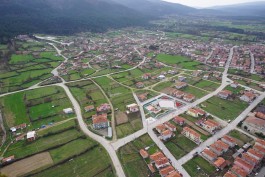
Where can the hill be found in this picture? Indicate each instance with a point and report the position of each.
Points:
(65, 16)
(251, 9)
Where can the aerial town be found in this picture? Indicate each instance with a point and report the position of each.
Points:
(133, 102)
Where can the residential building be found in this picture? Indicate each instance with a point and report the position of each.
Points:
(156, 156)
(244, 165)
(7, 160)
(249, 159)
(222, 145)
(180, 85)
(100, 121)
(248, 97)
(254, 124)
(210, 125)
(189, 97)
(191, 134)
(260, 142)
(224, 94)
(174, 174)
(229, 140)
(104, 108)
(68, 111)
(165, 171)
(230, 174)
(162, 162)
(140, 85)
(165, 135)
(146, 76)
(89, 108)
(170, 126)
(144, 153)
(195, 112)
(256, 154)
(31, 136)
(179, 120)
(209, 155)
(216, 149)
(260, 149)
(239, 171)
(151, 168)
(132, 108)
(160, 128)
(220, 163)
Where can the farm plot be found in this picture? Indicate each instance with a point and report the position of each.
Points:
(27, 165)
(36, 107)
(224, 109)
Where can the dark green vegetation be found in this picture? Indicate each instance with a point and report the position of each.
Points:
(224, 109)
(206, 168)
(30, 63)
(133, 164)
(36, 108)
(64, 17)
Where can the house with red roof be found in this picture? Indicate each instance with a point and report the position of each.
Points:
(244, 165)
(210, 125)
(189, 97)
(165, 171)
(160, 128)
(174, 174)
(170, 126)
(209, 155)
(195, 112)
(248, 97)
(165, 135)
(260, 142)
(220, 163)
(239, 171)
(100, 121)
(256, 154)
(103, 108)
(192, 135)
(179, 120)
(229, 140)
(144, 153)
(230, 174)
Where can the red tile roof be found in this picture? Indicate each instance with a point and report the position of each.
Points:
(144, 153)
(191, 131)
(165, 171)
(97, 119)
(156, 156)
(174, 174)
(220, 162)
(209, 153)
(239, 171)
(230, 174)
(255, 153)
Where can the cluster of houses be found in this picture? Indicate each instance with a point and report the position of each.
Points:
(219, 56)
(166, 130)
(159, 162)
(209, 125)
(241, 59)
(214, 152)
(248, 161)
(255, 122)
(99, 120)
(246, 95)
(180, 94)
(258, 54)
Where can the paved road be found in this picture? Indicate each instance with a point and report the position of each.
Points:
(99, 139)
(252, 68)
(208, 57)
(52, 39)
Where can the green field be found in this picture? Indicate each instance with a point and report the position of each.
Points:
(22, 149)
(207, 85)
(95, 162)
(180, 61)
(192, 165)
(36, 107)
(224, 109)
(194, 91)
